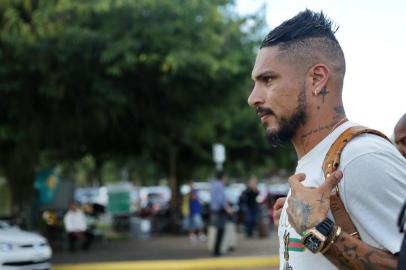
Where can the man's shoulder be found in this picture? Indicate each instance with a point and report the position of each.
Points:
(372, 158)
(367, 145)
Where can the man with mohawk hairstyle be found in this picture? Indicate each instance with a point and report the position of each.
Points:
(299, 75)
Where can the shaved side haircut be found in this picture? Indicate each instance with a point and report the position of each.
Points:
(308, 39)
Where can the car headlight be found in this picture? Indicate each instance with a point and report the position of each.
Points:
(4, 247)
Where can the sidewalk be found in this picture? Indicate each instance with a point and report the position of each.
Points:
(170, 252)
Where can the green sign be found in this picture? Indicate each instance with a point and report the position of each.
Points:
(119, 202)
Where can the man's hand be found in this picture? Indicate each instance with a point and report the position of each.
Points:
(308, 206)
(277, 209)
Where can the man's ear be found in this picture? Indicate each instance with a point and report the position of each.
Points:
(319, 75)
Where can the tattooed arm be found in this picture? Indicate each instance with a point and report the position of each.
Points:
(309, 206)
(351, 253)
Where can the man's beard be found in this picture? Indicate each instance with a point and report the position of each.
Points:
(289, 126)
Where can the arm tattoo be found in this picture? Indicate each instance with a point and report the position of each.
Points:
(349, 253)
(299, 218)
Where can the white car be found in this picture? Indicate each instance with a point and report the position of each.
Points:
(22, 250)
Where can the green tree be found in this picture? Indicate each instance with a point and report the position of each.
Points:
(148, 80)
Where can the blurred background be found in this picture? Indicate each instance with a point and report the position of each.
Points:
(118, 104)
(94, 93)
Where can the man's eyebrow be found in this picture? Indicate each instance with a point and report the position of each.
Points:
(264, 74)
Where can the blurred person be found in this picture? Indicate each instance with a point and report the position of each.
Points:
(185, 209)
(219, 209)
(401, 224)
(196, 225)
(250, 206)
(298, 75)
(76, 227)
(400, 140)
(400, 135)
(192, 213)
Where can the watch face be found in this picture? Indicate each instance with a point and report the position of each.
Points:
(312, 243)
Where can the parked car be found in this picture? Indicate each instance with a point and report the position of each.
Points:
(202, 188)
(155, 198)
(23, 250)
(91, 195)
(233, 193)
(154, 205)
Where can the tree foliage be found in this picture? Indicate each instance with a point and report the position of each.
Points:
(157, 81)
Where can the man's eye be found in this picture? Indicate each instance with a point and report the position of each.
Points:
(267, 79)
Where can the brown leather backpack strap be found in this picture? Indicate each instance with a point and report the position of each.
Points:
(331, 163)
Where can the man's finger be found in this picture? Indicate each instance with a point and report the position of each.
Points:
(277, 209)
(279, 203)
(332, 180)
(294, 181)
(276, 217)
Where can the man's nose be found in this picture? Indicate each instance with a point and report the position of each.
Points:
(255, 98)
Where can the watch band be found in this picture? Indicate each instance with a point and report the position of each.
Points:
(325, 227)
(319, 237)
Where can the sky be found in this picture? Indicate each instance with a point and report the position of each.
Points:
(372, 35)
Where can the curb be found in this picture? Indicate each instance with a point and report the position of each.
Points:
(218, 263)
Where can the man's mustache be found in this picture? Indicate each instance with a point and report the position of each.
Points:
(262, 111)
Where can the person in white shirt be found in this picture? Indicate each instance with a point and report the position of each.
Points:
(400, 135)
(400, 141)
(76, 227)
(299, 76)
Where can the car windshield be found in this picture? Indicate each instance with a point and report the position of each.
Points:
(156, 198)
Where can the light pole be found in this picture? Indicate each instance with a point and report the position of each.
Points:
(219, 155)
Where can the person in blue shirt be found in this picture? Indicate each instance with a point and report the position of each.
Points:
(196, 224)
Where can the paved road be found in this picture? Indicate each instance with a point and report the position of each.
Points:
(165, 247)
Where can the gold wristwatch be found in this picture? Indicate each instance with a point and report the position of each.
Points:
(316, 238)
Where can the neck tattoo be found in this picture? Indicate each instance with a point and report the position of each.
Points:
(344, 119)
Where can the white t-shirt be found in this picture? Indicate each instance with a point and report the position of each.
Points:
(372, 189)
(75, 221)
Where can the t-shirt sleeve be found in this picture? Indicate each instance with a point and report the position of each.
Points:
(373, 190)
